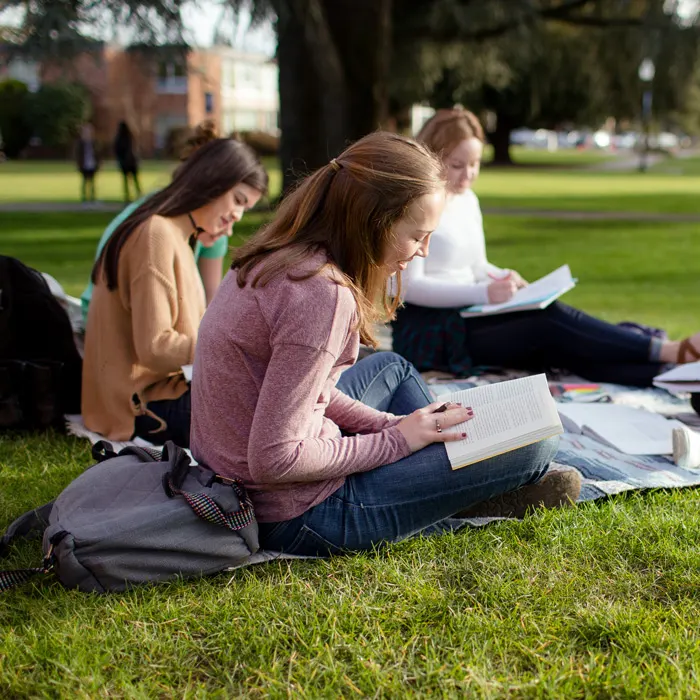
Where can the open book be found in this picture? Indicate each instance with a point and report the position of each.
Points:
(507, 415)
(681, 379)
(633, 431)
(537, 295)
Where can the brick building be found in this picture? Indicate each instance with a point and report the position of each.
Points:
(158, 90)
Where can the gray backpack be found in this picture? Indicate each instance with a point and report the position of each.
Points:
(139, 517)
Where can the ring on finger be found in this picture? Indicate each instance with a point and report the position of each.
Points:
(438, 427)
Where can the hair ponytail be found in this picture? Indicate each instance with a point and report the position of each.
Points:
(347, 209)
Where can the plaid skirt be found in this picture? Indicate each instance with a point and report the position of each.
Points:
(432, 339)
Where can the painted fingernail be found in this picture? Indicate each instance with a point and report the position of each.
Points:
(464, 435)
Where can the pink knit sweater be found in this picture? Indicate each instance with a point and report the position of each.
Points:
(265, 408)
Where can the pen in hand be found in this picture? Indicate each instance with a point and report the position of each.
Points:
(445, 406)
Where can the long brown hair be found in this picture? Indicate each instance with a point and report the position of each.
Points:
(209, 172)
(348, 210)
(447, 128)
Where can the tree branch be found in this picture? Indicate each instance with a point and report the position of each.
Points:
(563, 12)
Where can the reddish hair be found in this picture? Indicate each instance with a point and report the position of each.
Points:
(447, 128)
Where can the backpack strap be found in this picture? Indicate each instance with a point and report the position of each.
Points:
(208, 509)
(103, 450)
(16, 577)
(31, 523)
(204, 506)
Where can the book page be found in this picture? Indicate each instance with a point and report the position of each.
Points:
(550, 286)
(633, 431)
(502, 412)
(689, 372)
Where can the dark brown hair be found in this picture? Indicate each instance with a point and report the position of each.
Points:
(447, 128)
(348, 210)
(209, 172)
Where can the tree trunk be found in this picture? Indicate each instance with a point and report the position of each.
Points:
(333, 60)
(362, 32)
(500, 140)
(312, 93)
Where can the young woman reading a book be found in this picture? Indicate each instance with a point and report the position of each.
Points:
(340, 462)
(148, 297)
(430, 332)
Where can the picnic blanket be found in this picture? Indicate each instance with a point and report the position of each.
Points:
(606, 471)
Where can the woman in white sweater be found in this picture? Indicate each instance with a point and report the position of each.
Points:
(431, 334)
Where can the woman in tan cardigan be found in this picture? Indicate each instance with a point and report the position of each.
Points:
(148, 297)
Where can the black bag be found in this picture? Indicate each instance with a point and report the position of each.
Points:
(40, 366)
(138, 517)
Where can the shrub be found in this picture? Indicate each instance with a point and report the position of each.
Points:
(261, 142)
(15, 127)
(175, 140)
(57, 110)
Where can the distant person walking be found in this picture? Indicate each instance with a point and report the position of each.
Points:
(126, 157)
(87, 160)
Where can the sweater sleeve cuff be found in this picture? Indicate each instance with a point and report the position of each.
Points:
(402, 445)
(394, 420)
(481, 293)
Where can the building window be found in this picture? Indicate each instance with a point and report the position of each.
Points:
(172, 78)
(208, 102)
(247, 75)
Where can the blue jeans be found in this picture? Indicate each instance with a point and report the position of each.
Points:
(563, 337)
(417, 494)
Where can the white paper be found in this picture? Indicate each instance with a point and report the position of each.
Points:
(503, 412)
(187, 371)
(633, 431)
(689, 372)
(679, 388)
(538, 294)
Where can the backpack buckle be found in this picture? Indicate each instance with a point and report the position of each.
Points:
(47, 564)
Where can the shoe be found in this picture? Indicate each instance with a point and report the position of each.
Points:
(558, 488)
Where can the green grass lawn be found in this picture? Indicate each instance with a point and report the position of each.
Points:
(56, 181)
(563, 158)
(590, 190)
(64, 243)
(598, 601)
(678, 166)
(562, 180)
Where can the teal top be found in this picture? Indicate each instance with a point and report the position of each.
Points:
(218, 250)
